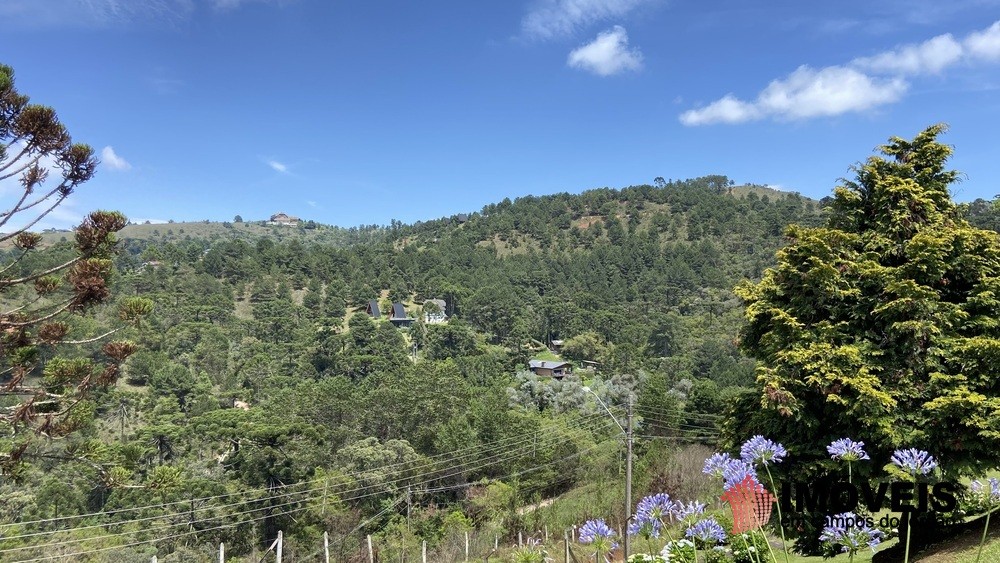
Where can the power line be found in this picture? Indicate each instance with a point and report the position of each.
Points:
(429, 461)
(243, 522)
(144, 542)
(466, 466)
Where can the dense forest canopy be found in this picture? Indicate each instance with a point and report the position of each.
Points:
(260, 378)
(258, 368)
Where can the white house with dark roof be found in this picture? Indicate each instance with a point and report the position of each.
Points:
(433, 317)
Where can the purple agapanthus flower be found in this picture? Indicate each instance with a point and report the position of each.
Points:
(658, 506)
(914, 461)
(736, 472)
(716, 464)
(641, 525)
(593, 530)
(847, 450)
(990, 495)
(851, 533)
(650, 514)
(761, 450)
(693, 508)
(706, 530)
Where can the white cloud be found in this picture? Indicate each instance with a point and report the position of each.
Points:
(608, 54)
(728, 109)
(312, 204)
(111, 159)
(984, 44)
(803, 94)
(931, 56)
(277, 166)
(829, 91)
(549, 19)
(863, 84)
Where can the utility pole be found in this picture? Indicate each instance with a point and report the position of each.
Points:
(628, 473)
(408, 504)
(627, 432)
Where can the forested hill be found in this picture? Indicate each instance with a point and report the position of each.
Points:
(258, 370)
(624, 264)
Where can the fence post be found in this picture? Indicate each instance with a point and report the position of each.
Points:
(153, 560)
(546, 533)
(566, 543)
(466, 545)
(326, 547)
(222, 552)
(371, 552)
(520, 539)
(423, 551)
(280, 541)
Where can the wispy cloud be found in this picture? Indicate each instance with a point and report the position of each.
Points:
(112, 160)
(163, 81)
(66, 216)
(62, 217)
(77, 13)
(606, 55)
(861, 85)
(931, 56)
(312, 204)
(103, 13)
(233, 4)
(278, 166)
(548, 19)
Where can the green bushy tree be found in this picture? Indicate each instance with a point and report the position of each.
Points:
(883, 324)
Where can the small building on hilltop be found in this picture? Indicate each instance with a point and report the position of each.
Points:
(545, 368)
(283, 219)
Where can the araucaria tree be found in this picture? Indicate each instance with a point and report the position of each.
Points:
(883, 325)
(40, 389)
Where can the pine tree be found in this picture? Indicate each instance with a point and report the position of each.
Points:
(884, 325)
(42, 390)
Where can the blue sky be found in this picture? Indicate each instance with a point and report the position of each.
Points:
(361, 112)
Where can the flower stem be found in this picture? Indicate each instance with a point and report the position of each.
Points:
(781, 524)
(750, 554)
(982, 542)
(768, 544)
(909, 528)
